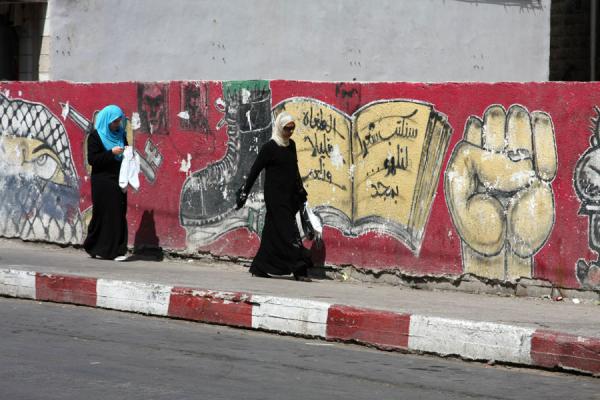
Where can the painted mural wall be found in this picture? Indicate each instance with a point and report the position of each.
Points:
(497, 180)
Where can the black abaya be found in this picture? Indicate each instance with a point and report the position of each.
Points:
(281, 251)
(107, 232)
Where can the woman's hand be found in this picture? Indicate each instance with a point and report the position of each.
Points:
(117, 150)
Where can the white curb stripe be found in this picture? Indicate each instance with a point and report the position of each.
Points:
(133, 296)
(471, 339)
(17, 283)
(303, 317)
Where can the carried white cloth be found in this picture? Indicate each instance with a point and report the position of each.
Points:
(130, 169)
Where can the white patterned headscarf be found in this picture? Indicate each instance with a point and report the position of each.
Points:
(282, 120)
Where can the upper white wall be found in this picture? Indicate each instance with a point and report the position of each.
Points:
(323, 40)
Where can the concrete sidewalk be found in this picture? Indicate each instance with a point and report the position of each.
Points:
(522, 331)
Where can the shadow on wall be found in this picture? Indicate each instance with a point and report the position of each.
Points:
(146, 245)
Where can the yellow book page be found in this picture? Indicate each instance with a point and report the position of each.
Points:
(322, 139)
(387, 146)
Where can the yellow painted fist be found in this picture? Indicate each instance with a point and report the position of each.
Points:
(497, 187)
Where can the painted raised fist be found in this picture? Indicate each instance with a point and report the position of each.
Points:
(498, 190)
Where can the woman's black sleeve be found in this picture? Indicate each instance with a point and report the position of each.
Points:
(261, 162)
(98, 156)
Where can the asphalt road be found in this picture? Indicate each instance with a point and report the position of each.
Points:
(56, 351)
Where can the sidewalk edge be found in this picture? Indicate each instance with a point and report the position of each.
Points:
(473, 340)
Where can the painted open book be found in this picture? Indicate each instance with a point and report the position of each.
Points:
(377, 169)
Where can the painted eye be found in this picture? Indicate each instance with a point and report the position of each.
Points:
(42, 160)
(45, 167)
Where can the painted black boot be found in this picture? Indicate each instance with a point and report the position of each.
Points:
(208, 195)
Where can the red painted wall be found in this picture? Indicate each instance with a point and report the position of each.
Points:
(570, 105)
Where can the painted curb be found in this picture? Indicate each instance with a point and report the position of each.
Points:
(475, 340)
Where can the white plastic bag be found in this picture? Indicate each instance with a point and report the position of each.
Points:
(130, 169)
(309, 223)
(315, 221)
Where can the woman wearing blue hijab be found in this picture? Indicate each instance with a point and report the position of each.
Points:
(107, 232)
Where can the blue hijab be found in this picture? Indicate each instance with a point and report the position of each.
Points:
(110, 139)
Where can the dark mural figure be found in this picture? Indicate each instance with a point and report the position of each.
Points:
(349, 95)
(152, 107)
(194, 100)
(587, 186)
(208, 195)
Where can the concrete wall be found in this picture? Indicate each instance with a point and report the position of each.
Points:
(498, 180)
(339, 40)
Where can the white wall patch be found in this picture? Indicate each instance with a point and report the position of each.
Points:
(186, 164)
(337, 160)
(65, 111)
(136, 123)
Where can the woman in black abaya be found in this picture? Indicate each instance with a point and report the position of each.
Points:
(281, 251)
(107, 233)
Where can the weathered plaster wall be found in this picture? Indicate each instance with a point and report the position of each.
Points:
(386, 40)
(500, 180)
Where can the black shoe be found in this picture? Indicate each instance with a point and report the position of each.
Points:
(258, 273)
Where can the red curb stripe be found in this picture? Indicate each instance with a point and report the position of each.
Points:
(224, 308)
(65, 289)
(551, 349)
(381, 328)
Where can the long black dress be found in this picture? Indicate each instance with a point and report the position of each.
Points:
(107, 233)
(281, 251)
